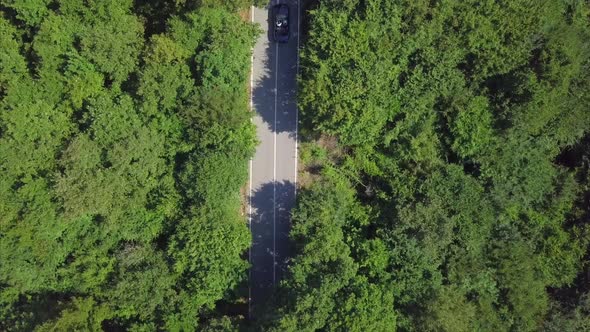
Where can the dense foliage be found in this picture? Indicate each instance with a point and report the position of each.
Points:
(449, 176)
(124, 140)
(448, 166)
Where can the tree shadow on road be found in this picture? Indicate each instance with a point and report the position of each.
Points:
(270, 225)
(265, 86)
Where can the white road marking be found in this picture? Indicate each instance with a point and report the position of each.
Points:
(250, 189)
(274, 170)
(250, 248)
(296, 106)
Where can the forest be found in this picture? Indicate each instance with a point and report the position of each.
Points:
(446, 183)
(445, 167)
(124, 142)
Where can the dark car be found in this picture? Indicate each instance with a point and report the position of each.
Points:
(281, 23)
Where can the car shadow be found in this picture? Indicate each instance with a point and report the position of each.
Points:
(269, 21)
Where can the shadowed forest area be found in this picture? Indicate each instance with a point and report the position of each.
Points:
(446, 180)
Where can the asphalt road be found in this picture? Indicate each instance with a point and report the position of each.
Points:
(273, 171)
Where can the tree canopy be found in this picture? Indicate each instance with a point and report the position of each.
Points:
(124, 141)
(447, 168)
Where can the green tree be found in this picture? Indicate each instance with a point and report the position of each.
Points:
(123, 152)
(457, 123)
(327, 288)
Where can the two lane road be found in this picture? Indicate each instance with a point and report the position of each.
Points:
(273, 170)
